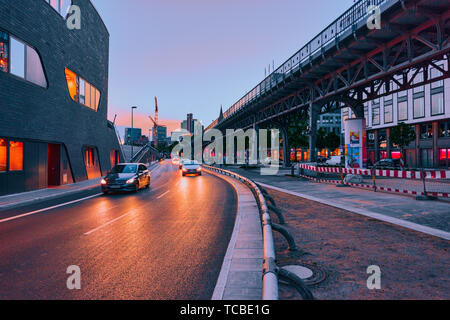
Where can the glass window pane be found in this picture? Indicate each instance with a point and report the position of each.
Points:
(87, 95)
(376, 115)
(15, 156)
(82, 91)
(3, 155)
(437, 103)
(71, 78)
(4, 42)
(403, 110)
(65, 5)
(419, 107)
(55, 4)
(17, 58)
(93, 98)
(97, 99)
(388, 113)
(35, 72)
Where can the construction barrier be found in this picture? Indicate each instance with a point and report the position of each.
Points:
(431, 183)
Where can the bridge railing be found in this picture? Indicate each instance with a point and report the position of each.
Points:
(347, 21)
(270, 276)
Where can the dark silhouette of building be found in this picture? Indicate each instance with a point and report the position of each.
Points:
(54, 96)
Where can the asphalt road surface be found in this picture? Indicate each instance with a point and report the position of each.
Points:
(167, 242)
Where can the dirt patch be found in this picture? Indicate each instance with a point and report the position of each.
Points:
(342, 245)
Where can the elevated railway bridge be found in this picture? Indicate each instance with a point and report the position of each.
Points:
(348, 64)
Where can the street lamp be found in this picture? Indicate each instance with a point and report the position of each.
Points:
(131, 134)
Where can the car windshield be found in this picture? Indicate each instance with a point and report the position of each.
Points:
(125, 168)
(191, 163)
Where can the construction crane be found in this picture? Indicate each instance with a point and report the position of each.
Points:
(155, 124)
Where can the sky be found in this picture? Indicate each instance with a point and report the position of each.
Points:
(196, 55)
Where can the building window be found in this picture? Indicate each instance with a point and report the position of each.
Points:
(388, 113)
(444, 129)
(435, 73)
(3, 155)
(17, 58)
(82, 91)
(444, 157)
(21, 61)
(426, 131)
(62, 6)
(375, 114)
(4, 45)
(419, 107)
(90, 157)
(403, 110)
(15, 156)
(437, 103)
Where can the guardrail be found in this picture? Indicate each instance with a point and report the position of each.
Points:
(270, 270)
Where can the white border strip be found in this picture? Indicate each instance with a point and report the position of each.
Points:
(49, 208)
(399, 222)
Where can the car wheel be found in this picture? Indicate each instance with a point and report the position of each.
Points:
(105, 192)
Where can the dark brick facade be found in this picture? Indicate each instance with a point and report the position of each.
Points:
(39, 115)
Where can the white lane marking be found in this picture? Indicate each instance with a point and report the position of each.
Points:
(163, 194)
(49, 208)
(110, 222)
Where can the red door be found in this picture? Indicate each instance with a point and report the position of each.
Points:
(54, 165)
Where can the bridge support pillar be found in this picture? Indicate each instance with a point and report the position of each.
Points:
(286, 147)
(314, 110)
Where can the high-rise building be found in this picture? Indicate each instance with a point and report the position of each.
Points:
(133, 136)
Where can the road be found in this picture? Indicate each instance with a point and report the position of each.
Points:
(167, 242)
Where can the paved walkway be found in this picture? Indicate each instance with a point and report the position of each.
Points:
(241, 274)
(433, 215)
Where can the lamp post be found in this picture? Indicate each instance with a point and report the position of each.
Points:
(131, 134)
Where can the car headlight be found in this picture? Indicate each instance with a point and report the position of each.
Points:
(184, 169)
(199, 169)
(130, 181)
(103, 181)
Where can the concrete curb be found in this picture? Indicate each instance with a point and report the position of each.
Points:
(240, 276)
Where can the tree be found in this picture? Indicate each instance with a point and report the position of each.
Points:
(332, 141)
(402, 135)
(298, 133)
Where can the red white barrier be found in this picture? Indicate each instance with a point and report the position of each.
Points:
(438, 174)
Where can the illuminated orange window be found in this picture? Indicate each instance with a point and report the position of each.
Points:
(3, 155)
(15, 156)
(90, 158)
(71, 78)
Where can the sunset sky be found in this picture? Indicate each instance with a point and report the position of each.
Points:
(197, 55)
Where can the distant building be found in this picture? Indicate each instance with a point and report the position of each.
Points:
(161, 134)
(133, 136)
(190, 123)
(330, 122)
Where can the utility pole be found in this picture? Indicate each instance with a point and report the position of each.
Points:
(131, 134)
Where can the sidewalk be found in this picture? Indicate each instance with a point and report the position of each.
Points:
(30, 197)
(430, 216)
(26, 198)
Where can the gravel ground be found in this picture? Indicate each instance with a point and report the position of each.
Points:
(341, 245)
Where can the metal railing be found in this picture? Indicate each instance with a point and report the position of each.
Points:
(345, 23)
(270, 275)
